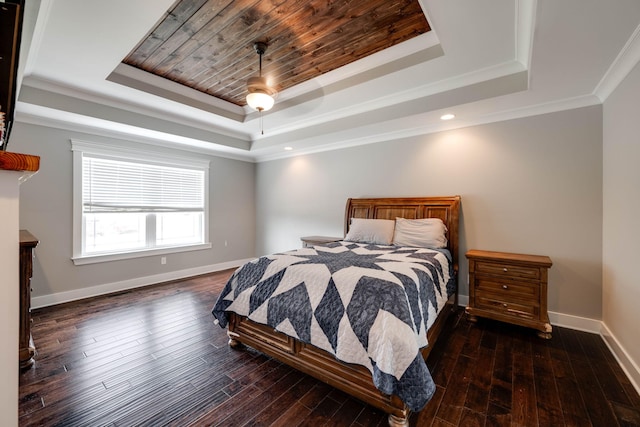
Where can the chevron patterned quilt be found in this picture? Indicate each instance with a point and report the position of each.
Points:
(365, 304)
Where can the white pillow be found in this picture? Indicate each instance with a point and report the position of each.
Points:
(376, 231)
(423, 233)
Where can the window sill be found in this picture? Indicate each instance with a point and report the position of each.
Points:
(94, 259)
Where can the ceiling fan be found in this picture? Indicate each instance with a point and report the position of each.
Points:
(261, 97)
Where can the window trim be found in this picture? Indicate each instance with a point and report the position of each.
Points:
(120, 152)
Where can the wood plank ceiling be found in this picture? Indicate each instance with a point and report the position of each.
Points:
(208, 44)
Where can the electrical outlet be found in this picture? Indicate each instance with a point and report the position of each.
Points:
(163, 260)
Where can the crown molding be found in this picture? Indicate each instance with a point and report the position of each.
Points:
(42, 16)
(144, 81)
(404, 132)
(42, 116)
(525, 28)
(36, 115)
(626, 60)
(478, 76)
(45, 85)
(365, 65)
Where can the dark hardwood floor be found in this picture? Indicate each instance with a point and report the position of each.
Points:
(153, 356)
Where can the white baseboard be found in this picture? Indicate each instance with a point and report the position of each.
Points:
(629, 366)
(463, 300)
(558, 319)
(107, 288)
(575, 322)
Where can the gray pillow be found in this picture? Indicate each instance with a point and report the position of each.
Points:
(376, 231)
(422, 233)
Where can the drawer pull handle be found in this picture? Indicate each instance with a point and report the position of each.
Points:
(505, 269)
(504, 305)
(505, 287)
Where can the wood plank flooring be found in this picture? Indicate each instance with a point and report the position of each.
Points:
(153, 357)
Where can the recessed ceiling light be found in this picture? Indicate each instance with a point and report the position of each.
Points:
(288, 148)
(447, 116)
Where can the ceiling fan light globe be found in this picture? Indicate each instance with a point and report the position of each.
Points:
(260, 101)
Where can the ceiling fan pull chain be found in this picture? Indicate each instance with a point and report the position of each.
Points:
(261, 123)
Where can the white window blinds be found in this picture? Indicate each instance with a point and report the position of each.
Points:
(131, 201)
(120, 186)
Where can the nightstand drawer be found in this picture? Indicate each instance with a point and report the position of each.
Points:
(530, 291)
(489, 302)
(500, 269)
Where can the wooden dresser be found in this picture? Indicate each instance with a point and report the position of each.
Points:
(510, 288)
(27, 349)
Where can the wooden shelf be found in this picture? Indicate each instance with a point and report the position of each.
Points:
(19, 162)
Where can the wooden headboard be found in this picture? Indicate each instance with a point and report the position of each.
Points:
(445, 208)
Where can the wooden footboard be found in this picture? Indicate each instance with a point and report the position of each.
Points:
(352, 379)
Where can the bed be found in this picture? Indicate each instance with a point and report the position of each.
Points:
(378, 369)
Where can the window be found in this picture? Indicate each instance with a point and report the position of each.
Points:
(130, 203)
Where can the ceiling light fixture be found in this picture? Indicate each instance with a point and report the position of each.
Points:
(260, 96)
(448, 116)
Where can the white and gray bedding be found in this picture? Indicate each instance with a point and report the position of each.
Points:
(366, 304)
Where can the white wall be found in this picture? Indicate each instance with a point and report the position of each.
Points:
(531, 185)
(46, 211)
(9, 296)
(621, 230)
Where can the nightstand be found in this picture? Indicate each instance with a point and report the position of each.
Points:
(309, 241)
(510, 288)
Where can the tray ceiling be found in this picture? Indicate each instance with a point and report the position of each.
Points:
(207, 45)
(482, 61)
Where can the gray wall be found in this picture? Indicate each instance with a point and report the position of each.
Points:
(46, 210)
(621, 188)
(531, 185)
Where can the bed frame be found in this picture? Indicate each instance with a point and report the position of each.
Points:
(354, 379)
